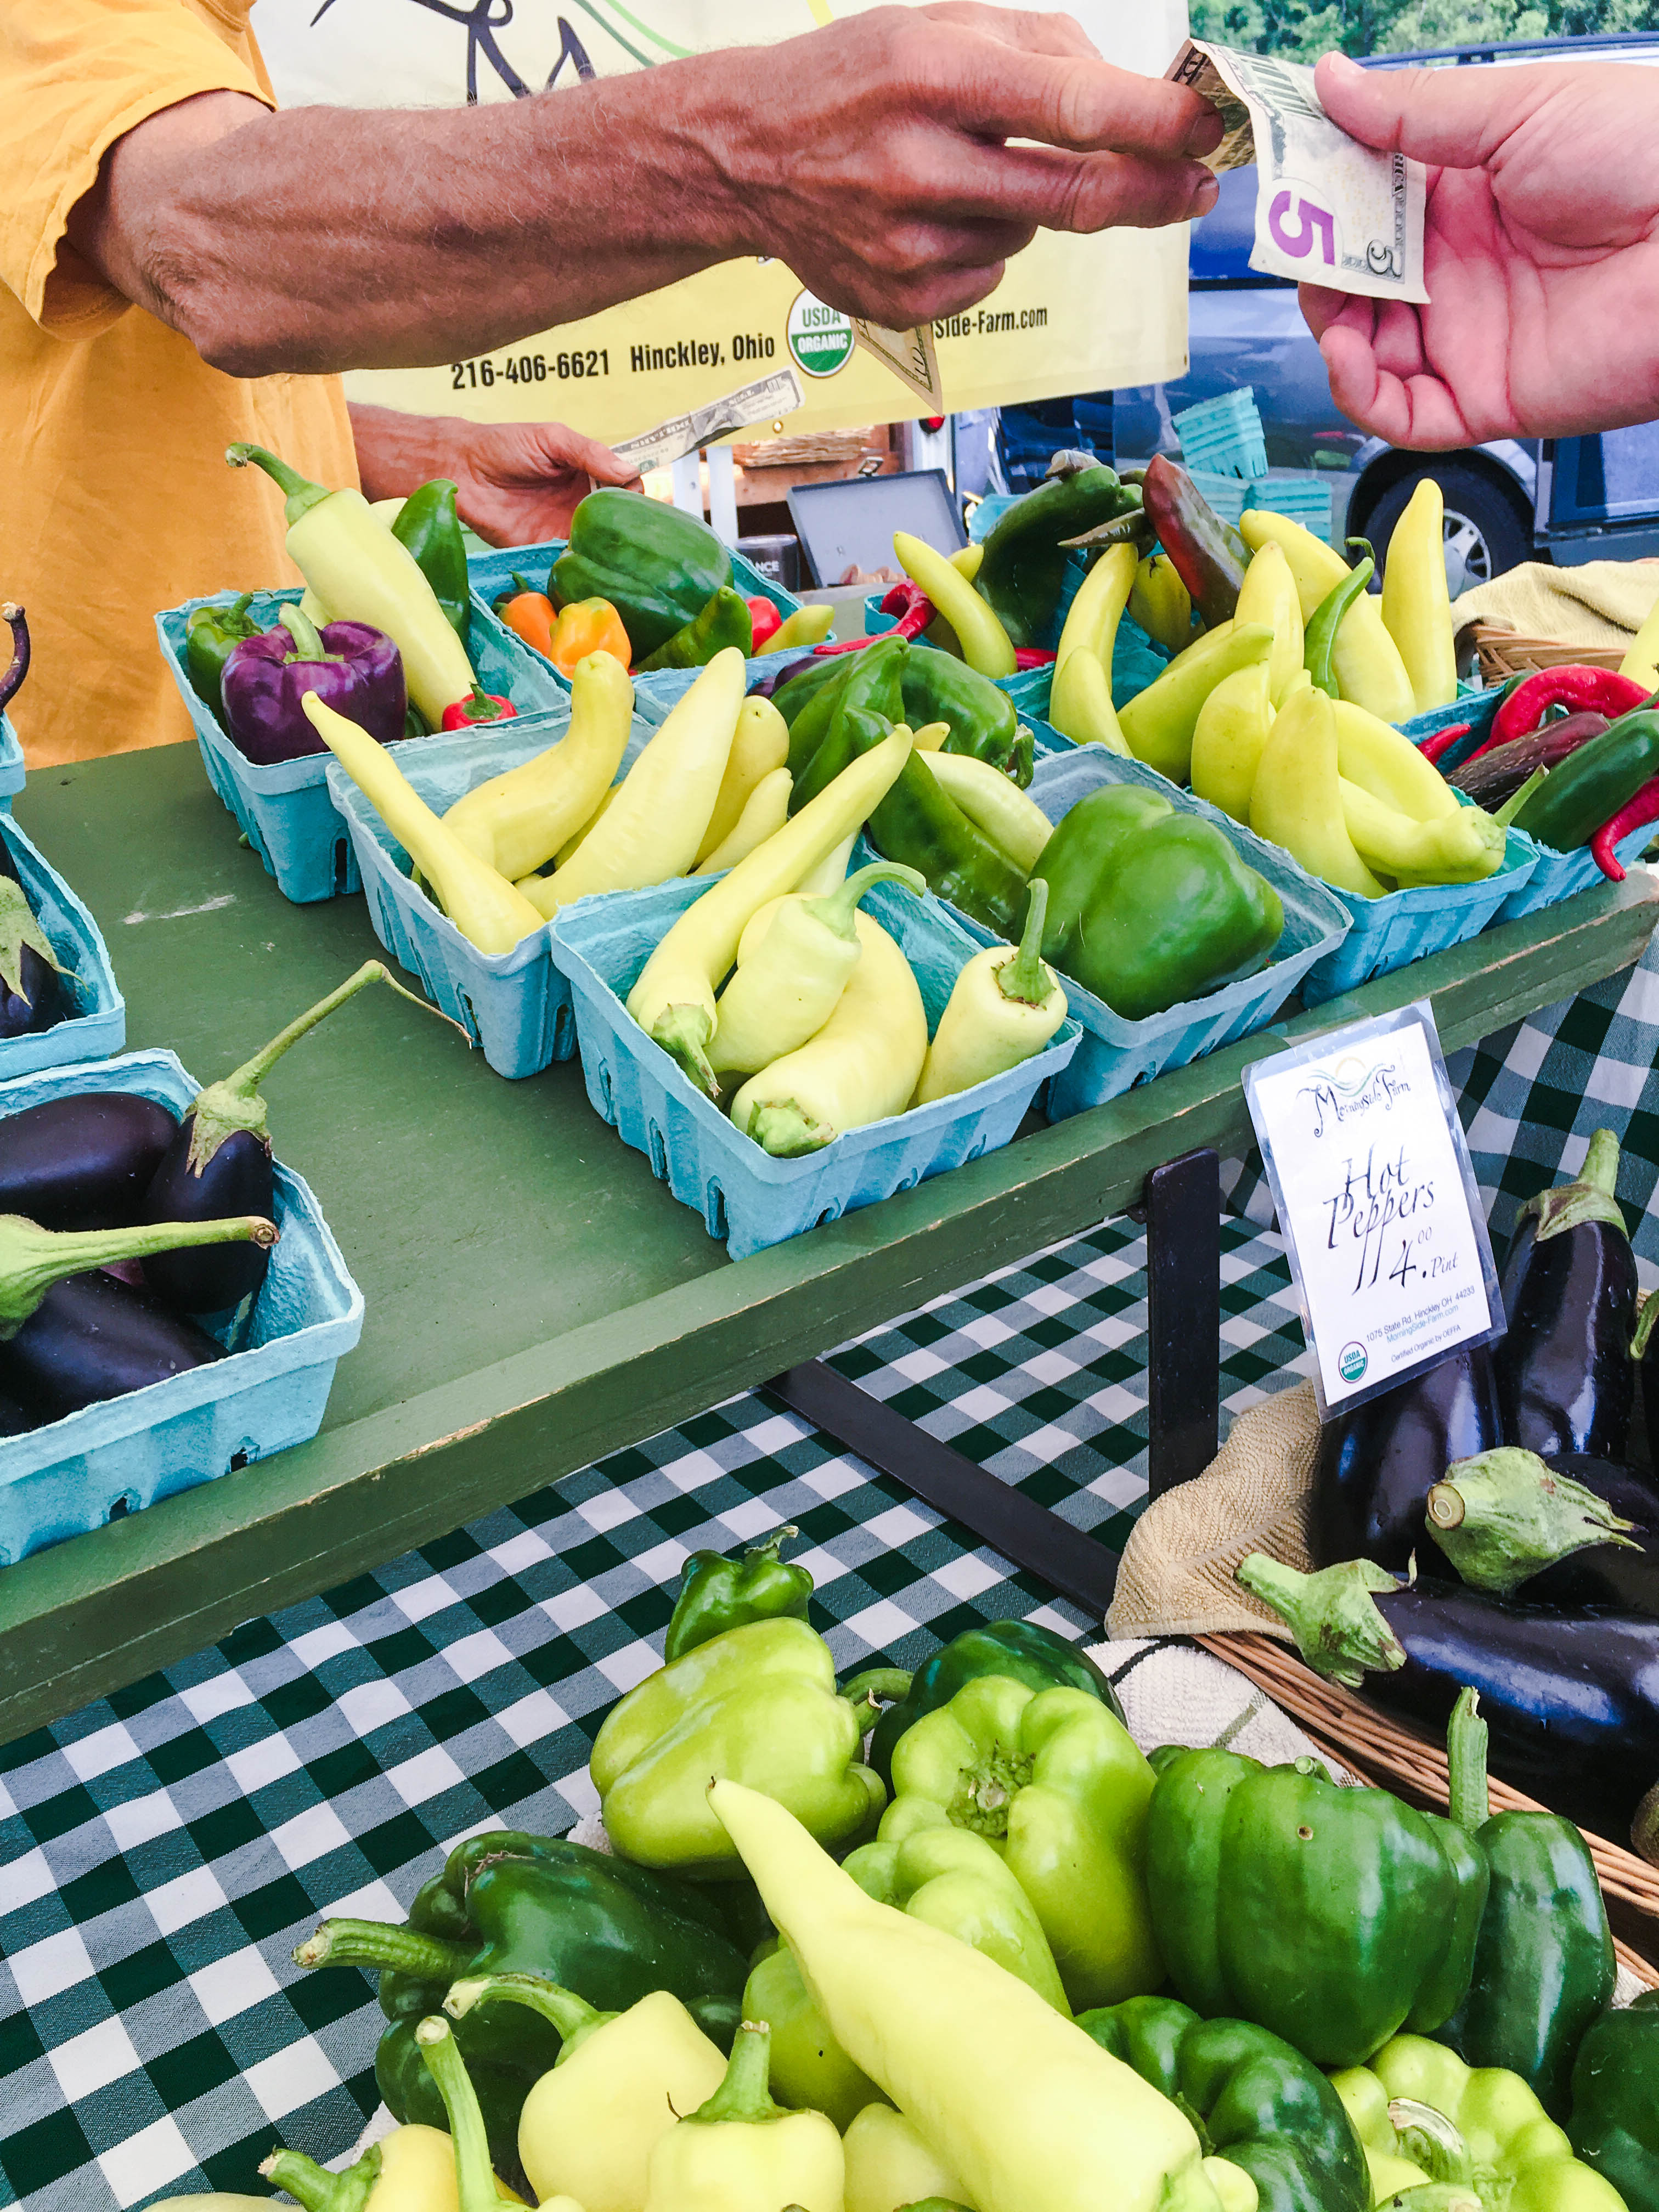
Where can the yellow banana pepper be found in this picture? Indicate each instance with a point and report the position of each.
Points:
(1080, 700)
(411, 2170)
(1297, 799)
(800, 631)
(652, 830)
(1416, 601)
(1641, 663)
(760, 744)
(994, 803)
(1229, 738)
(518, 821)
(571, 844)
(489, 911)
(1380, 759)
(889, 2164)
(1161, 602)
(1268, 595)
(1003, 1007)
(673, 1000)
(589, 2123)
(985, 643)
(967, 560)
(930, 738)
(824, 877)
(764, 813)
(1464, 847)
(1159, 722)
(1081, 704)
(739, 2152)
(1366, 660)
(1035, 2116)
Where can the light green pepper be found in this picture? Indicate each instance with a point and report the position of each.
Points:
(757, 1704)
(959, 1881)
(1054, 1781)
(810, 2069)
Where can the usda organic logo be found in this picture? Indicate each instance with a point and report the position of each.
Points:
(820, 338)
(1352, 1363)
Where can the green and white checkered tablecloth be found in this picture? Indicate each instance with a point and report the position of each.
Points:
(162, 1851)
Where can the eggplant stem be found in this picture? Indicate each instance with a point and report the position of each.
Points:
(33, 1260)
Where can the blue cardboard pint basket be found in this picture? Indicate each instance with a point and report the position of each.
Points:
(516, 1005)
(11, 764)
(115, 1458)
(96, 1024)
(284, 809)
(1115, 1053)
(745, 1196)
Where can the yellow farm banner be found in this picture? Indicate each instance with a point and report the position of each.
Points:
(1071, 315)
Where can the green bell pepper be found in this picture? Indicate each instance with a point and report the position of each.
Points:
(757, 1704)
(508, 1904)
(937, 687)
(959, 1882)
(1436, 2134)
(717, 1593)
(823, 740)
(211, 636)
(1333, 1916)
(1020, 1649)
(428, 526)
(1544, 1967)
(1148, 908)
(658, 567)
(724, 620)
(1615, 2101)
(1024, 568)
(1256, 2101)
(1054, 1780)
(822, 669)
(811, 2072)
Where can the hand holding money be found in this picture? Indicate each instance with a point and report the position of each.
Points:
(1541, 250)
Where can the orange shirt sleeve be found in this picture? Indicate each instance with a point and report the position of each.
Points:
(75, 77)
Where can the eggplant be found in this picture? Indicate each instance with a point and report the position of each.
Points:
(218, 1162)
(71, 1334)
(1568, 1533)
(1566, 1379)
(85, 1161)
(13, 1421)
(1376, 1462)
(764, 687)
(11, 682)
(1496, 773)
(1571, 1699)
(31, 990)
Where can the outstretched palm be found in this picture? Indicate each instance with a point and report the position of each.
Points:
(1542, 254)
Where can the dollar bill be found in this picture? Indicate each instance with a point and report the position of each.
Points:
(1328, 210)
(909, 354)
(776, 393)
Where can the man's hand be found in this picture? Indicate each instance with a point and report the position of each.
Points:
(516, 483)
(1541, 255)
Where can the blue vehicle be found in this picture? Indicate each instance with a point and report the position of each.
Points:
(1569, 500)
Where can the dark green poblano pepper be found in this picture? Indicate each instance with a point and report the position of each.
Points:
(1024, 568)
(717, 1593)
(428, 527)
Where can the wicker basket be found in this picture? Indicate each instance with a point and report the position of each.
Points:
(1382, 1751)
(1503, 652)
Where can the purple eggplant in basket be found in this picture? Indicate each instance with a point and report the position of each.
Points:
(1569, 1532)
(351, 667)
(71, 1335)
(32, 995)
(218, 1161)
(85, 1161)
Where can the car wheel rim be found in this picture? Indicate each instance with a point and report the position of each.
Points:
(1468, 556)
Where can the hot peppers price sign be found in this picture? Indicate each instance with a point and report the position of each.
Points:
(1377, 1201)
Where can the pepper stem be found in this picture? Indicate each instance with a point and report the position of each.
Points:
(308, 642)
(836, 909)
(573, 2016)
(1469, 1800)
(387, 1945)
(33, 1260)
(316, 2188)
(299, 492)
(1024, 977)
(1588, 1197)
(234, 1102)
(1504, 1515)
(1337, 1628)
(683, 1032)
(875, 1687)
(745, 2093)
(474, 2176)
(1516, 799)
(787, 1132)
(1431, 2141)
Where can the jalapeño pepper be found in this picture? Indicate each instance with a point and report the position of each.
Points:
(427, 526)
(717, 1593)
(1024, 569)
(724, 620)
(1019, 1649)
(1319, 642)
(1592, 784)
(821, 743)
(920, 825)
(211, 636)
(937, 687)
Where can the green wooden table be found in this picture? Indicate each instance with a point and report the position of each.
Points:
(535, 1298)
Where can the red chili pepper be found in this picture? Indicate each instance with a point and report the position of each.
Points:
(1442, 742)
(1033, 656)
(1573, 686)
(765, 618)
(478, 706)
(909, 602)
(1643, 807)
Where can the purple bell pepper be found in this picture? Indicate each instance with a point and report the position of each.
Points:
(351, 667)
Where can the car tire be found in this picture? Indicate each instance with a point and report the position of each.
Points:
(1486, 530)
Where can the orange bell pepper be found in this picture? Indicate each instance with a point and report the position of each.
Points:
(529, 614)
(584, 626)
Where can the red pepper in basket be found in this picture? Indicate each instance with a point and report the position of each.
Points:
(764, 617)
(1643, 807)
(909, 602)
(1572, 686)
(1033, 656)
(1434, 748)
(478, 706)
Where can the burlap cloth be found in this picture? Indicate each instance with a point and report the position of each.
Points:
(1176, 1578)
(1601, 605)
